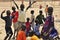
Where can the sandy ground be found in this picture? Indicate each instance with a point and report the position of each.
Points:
(8, 5)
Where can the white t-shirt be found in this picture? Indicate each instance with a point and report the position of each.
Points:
(32, 17)
(22, 16)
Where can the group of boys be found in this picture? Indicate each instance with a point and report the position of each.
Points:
(30, 28)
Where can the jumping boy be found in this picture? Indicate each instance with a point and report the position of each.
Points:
(8, 23)
(15, 20)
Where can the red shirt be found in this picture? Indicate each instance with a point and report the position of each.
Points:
(15, 14)
(28, 26)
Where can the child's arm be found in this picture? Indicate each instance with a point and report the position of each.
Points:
(15, 4)
(2, 15)
(30, 5)
(44, 18)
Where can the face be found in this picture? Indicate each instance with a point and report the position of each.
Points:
(46, 5)
(13, 8)
(40, 12)
(50, 11)
(32, 12)
(22, 7)
(8, 12)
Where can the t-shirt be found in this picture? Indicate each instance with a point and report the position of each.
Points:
(40, 18)
(22, 16)
(27, 26)
(49, 22)
(21, 35)
(34, 37)
(8, 20)
(36, 29)
(32, 20)
(15, 14)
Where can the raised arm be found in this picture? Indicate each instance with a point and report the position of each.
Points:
(2, 15)
(15, 4)
(30, 5)
(44, 18)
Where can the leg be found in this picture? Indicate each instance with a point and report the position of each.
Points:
(11, 33)
(6, 37)
(10, 36)
(15, 26)
(7, 32)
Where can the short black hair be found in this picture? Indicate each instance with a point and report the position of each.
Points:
(46, 5)
(22, 7)
(50, 10)
(36, 20)
(28, 18)
(8, 12)
(40, 11)
(13, 8)
(32, 11)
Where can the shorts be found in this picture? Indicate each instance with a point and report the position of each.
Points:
(8, 30)
(53, 33)
(15, 25)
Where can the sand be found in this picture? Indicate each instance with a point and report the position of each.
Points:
(8, 5)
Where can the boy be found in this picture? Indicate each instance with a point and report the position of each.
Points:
(49, 22)
(21, 34)
(46, 10)
(48, 28)
(8, 23)
(36, 28)
(15, 20)
(22, 15)
(32, 18)
(27, 26)
(40, 17)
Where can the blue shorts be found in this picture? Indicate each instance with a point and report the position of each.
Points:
(53, 32)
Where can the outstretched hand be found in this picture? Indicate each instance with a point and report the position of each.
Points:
(3, 11)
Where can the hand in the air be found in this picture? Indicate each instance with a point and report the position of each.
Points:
(3, 11)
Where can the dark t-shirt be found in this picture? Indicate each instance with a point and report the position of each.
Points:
(40, 18)
(8, 20)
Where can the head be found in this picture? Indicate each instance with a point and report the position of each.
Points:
(36, 21)
(46, 5)
(22, 7)
(50, 10)
(40, 6)
(32, 11)
(32, 33)
(8, 12)
(23, 27)
(13, 8)
(40, 12)
(28, 19)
